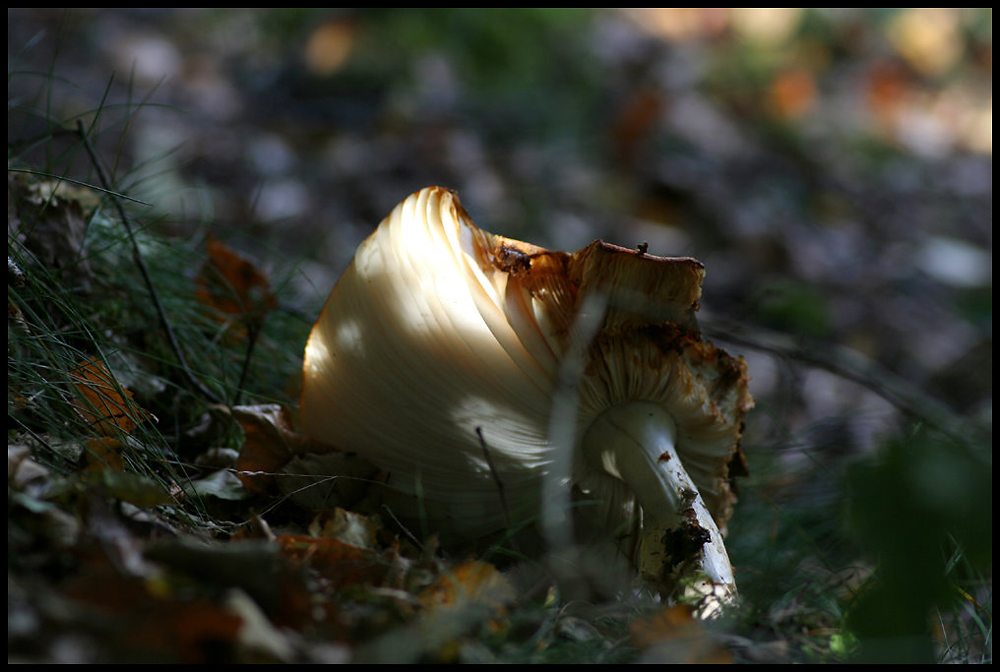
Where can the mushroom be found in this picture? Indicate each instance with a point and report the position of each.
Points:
(495, 382)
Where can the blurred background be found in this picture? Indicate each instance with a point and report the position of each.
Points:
(831, 167)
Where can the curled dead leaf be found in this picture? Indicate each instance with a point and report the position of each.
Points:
(270, 440)
(345, 526)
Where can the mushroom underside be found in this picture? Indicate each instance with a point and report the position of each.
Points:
(438, 356)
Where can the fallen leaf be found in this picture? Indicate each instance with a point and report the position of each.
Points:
(233, 285)
(462, 600)
(22, 470)
(475, 580)
(141, 626)
(345, 526)
(50, 219)
(104, 453)
(674, 635)
(129, 487)
(221, 484)
(324, 481)
(105, 404)
(257, 567)
(345, 565)
(270, 440)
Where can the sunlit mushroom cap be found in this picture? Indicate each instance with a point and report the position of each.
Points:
(438, 329)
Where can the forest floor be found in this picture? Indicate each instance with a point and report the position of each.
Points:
(185, 186)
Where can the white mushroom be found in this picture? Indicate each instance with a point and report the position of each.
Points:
(439, 330)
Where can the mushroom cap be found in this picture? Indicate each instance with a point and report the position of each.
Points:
(438, 328)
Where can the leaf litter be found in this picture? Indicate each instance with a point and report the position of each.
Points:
(114, 565)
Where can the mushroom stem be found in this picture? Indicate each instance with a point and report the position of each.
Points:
(636, 442)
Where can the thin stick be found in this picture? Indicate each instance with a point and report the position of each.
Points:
(144, 271)
(405, 529)
(500, 490)
(253, 329)
(851, 365)
(496, 477)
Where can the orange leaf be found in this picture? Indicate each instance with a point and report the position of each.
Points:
(105, 404)
(675, 635)
(475, 580)
(104, 454)
(343, 565)
(233, 285)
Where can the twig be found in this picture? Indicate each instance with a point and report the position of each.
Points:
(253, 330)
(144, 271)
(852, 365)
(405, 529)
(496, 478)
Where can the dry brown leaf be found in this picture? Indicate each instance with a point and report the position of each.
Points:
(257, 567)
(345, 526)
(232, 284)
(674, 635)
(270, 440)
(50, 219)
(474, 580)
(324, 481)
(345, 565)
(148, 622)
(105, 404)
(22, 469)
(104, 454)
